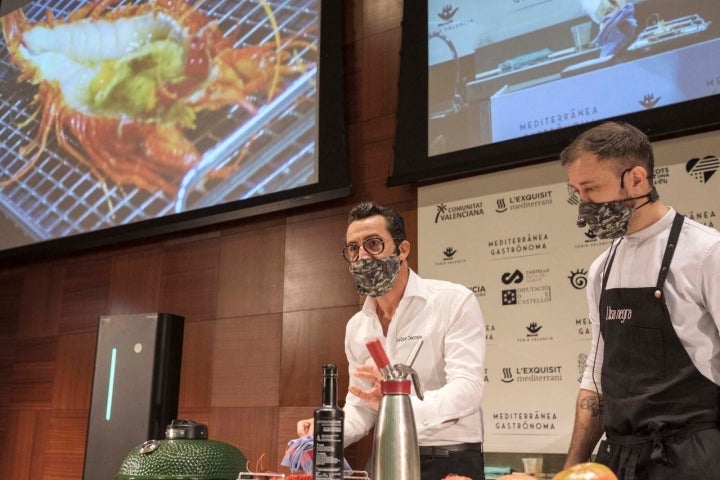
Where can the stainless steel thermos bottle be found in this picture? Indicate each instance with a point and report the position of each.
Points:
(396, 455)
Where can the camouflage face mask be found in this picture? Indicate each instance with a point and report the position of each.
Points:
(375, 277)
(610, 219)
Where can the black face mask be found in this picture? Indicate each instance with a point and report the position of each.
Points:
(611, 219)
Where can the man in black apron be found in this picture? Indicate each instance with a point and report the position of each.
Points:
(659, 411)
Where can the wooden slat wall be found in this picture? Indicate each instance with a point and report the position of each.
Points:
(265, 299)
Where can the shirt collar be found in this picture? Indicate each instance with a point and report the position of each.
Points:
(664, 223)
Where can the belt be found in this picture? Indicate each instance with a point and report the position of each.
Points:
(446, 450)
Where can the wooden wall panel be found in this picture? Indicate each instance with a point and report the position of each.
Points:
(311, 338)
(252, 430)
(189, 278)
(40, 301)
(135, 281)
(379, 16)
(246, 361)
(33, 373)
(196, 368)
(352, 58)
(376, 164)
(10, 292)
(7, 360)
(64, 437)
(380, 73)
(316, 275)
(251, 272)
(74, 368)
(11, 283)
(85, 293)
(17, 453)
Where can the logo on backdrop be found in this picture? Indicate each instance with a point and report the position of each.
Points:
(533, 373)
(533, 334)
(449, 257)
(661, 176)
(478, 290)
(649, 100)
(574, 116)
(526, 295)
(520, 245)
(514, 277)
(590, 240)
(524, 422)
(446, 213)
(489, 332)
(701, 169)
(533, 328)
(538, 292)
(583, 326)
(578, 279)
(706, 217)
(524, 200)
(573, 199)
(447, 13)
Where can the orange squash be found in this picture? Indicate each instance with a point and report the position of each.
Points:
(586, 471)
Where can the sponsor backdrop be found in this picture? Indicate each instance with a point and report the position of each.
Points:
(510, 236)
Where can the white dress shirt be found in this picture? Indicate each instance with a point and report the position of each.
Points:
(450, 363)
(692, 289)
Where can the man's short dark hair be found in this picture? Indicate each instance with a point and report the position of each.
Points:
(393, 220)
(620, 142)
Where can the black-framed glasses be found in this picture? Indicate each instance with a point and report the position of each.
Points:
(372, 245)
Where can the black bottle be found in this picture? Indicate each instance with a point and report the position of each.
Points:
(329, 428)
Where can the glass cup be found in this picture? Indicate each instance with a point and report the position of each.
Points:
(581, 35)
(532, 465)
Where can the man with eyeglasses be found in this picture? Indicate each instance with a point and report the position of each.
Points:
(401, 308)
(652, 380)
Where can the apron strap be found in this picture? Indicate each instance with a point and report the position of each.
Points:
(609, 263)
(669, 251)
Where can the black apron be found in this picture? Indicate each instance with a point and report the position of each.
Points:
(660, 413)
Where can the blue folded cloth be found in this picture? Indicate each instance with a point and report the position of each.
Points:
(617, 30)
(299, 455)
(495, 472)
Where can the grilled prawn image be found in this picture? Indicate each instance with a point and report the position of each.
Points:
(119, 86)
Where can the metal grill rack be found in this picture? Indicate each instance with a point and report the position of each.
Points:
(274, 149)
(663, 31)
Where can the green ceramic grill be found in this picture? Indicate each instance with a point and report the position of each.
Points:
(185, 454)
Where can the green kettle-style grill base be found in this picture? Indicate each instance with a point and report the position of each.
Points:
(183, 459)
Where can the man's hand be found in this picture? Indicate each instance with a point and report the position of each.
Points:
(372, 396)
(305, 427)
(608, 6)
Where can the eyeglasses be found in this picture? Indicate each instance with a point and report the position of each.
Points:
(372, 245)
